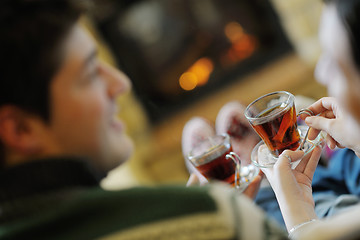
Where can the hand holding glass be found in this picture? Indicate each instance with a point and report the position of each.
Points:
(215, 160)
(273, 117)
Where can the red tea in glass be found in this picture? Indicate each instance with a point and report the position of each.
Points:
(211, 159)
(220, 168)
(273, 117)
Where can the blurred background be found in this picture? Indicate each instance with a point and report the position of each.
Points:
(188, 58)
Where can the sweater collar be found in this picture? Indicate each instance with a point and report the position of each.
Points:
(46, 175)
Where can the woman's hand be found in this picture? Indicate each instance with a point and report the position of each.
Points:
(292, 187)
(195, 180)
(342, 131)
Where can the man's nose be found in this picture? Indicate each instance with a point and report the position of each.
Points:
(117, 81)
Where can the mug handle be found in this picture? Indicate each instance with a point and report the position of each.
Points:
(309, 113)
(237, 162)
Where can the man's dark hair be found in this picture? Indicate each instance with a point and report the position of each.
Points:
(349, 14)
(31, 37)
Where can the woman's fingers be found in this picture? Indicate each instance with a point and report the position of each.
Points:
(323, 105)
(193, 180)
(320, 123)
(253, 188)
(330, 142)
(283, 164)
(289, 156)
(313, 133)
(312, 162)
(196, 179)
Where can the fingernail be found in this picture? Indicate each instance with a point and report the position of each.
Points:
(308, 120)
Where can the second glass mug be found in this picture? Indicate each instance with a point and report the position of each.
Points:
(273, 117)
(214, 159)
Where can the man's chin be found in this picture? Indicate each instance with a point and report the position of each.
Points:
(120, 153)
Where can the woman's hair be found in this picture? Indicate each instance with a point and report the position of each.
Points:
(349, 14)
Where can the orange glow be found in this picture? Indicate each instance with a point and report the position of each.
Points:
(197, 75)
(242, 44)
(188, 81)
(234, 31)
(245, 47)
(202, 69)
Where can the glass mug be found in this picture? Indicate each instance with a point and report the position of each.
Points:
(273, 117)
(214, 159)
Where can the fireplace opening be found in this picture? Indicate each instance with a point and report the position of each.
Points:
(178, 51)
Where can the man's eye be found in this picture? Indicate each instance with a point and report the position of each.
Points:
(94, 74)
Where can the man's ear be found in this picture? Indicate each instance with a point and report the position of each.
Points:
(16, 131)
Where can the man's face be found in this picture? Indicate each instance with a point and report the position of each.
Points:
(336, 68)
(83, 105)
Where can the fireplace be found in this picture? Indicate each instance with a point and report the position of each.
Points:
(178, 51)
